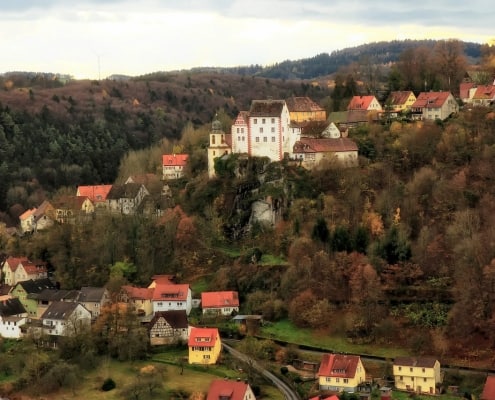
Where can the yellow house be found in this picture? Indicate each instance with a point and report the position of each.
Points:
(204, 346)
(401, 100)
(304, 109)
(419, 375)
(341, 373)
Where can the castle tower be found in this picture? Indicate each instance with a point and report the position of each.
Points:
(219, 146)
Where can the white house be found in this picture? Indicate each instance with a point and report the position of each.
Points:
(65, 319)
(168, 297)
(12, 317)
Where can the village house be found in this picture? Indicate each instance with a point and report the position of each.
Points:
(220, 303)
(12, 317)
(47, 297)
(169, 327)
(126, 199)
(311, 152)
(44, 216)
(27, 292)
(65, 319)
(417, 374)
(69, 209)
(224, 389)
(364, 103)
(17, 269)
(204, 346)
(220, 145)
(140, 300)
(93, 299)
(434, 106)
(26, 220)
(173, 166)
(400, 101)
(303, 109)
(341, 373)
(96, 193)
(168, 297)
(484, 96)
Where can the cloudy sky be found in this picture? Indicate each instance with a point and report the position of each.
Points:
(97, 38)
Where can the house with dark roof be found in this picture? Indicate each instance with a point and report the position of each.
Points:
(417, 374)
(26, 292)
(434, 106)
(311, 151)
(94, 299)
(51, 295)
(169, 327)
(65, 319)
(399, 101)
(68, 209)
(224, 389)
(12, 317)
(125, 199)
(220, 303)
(341, 372)
(44, 216)
(304, 109)
(488, 388)
(204, 346)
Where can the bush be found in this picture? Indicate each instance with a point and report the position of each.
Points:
(284, 370)
(108, 385)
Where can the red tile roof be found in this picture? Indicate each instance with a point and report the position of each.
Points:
(175, 160)
(169, 279)
(224, 389)
(335, 145)
(338, 365)
(26, 214)
(464, 89)
(34, 269)
(96, 193)
(430, 100)
(360, 102)
(219, 299)
(169, 292)
(242, 118)
(205, 337)
(137, 293)
(13, 262)
(489, 388)
(484, 92)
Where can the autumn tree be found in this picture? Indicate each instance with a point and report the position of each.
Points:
(451, 63)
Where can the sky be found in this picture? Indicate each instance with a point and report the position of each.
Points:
(97, 38)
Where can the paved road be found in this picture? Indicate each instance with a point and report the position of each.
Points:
(286, 390)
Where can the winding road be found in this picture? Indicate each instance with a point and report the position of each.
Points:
(286, 390)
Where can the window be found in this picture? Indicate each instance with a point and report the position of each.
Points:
(329, 379)
(346, 380)
(238, 138)
(400, 368)
(401, 378)
(337, 380)
(265, 139)
(255, 121)
(261, 130)
(212, 139)
(273, 138)
(410, 369)
(423, 370)
(273, 129)
(238, 130)
(263, 120)
(424, 379)
(257, 139)
(206, 357)
(242, 130)
(273, 120)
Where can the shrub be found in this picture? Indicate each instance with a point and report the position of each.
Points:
(108, 385)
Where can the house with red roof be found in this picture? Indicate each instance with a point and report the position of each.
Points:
(341, 373)
(488, 389)
(168, 297)
(204, 346)
(417, 374)
(20, 269)
(139, 299)
(483, 96)
(27, 220)
(173, 165)
(434, 106)
(312, 151)
(220, 303)
(96, 193)
(222, 389)
(364, 103)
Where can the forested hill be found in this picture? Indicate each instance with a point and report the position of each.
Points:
(326, 64)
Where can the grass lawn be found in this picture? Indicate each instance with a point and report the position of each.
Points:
(286, 331)
(269, 259)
